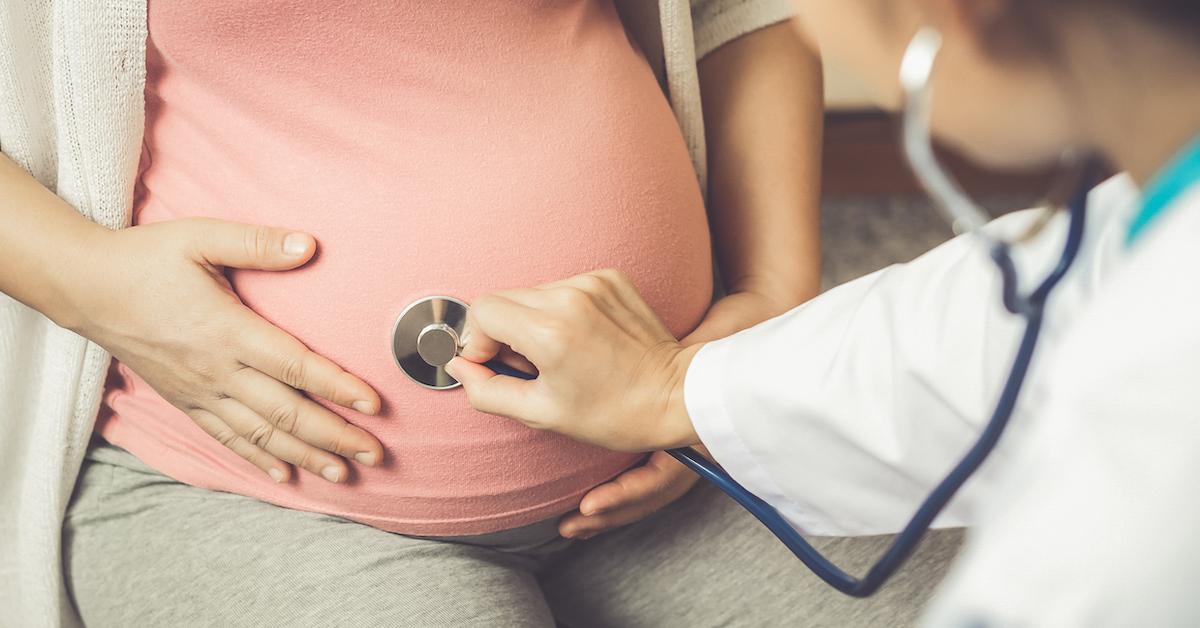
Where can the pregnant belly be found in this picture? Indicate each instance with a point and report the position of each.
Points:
(520, 216)
(517, 161)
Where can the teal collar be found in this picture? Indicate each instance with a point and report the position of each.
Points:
(1165, 188)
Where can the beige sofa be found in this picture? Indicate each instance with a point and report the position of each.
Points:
(844, 91)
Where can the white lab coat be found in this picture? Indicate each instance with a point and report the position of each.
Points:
(845, 412)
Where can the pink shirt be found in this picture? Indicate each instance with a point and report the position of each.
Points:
(451, 147)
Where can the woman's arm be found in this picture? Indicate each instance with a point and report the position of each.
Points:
(156, 297)
(41, 241)
(763, 112)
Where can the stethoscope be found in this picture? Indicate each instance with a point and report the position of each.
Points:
(426, 336)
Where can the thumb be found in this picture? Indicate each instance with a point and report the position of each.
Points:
(238, 245)
(494, 394)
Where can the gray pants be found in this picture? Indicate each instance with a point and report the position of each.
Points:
(144, 550)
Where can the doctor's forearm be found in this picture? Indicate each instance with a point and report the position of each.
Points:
(763, 108)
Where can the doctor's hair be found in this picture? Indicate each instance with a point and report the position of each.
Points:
(1027, 27)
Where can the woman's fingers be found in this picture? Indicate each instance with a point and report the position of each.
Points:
(629, 497)
(281, 356)
(212, 425)
(238, 245)
(275, 441)
(293, 413)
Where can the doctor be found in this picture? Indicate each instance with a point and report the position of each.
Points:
(844, 413)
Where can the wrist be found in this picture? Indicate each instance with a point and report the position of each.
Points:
(44, 245)
(735, 312)
(678, 430)
(71, 274)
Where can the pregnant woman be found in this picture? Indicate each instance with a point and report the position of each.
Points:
(218, 493)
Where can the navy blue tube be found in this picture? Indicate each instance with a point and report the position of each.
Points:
(501, 368)
(1032, 309)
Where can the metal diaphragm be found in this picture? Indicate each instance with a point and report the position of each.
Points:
(426, 337)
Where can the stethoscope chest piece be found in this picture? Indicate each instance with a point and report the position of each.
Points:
(426, 337)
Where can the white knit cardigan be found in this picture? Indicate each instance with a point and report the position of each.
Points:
(72, 74)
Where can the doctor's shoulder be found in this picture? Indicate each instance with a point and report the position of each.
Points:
(1134, 353)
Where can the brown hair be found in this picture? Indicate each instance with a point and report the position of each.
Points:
(1027, 26)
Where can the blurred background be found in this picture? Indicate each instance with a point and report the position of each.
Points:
(873, 212)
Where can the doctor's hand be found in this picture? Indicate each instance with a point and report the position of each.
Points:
(639, 492)
(156, 297)
(609, 372)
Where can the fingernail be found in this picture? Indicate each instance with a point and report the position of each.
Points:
(295, 244)
(590, 510)
(365, 407)
(333, 474)
(450, 368)
(275, 474)
(366, 457)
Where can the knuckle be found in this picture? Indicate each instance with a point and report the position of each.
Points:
(575, 299)
(226, 437)
(337, 444)
(258, 242)
(285, 417)
(593, 282)
(613, 282)
(613, 276)
(293, 371)
(306, 460)
(261, 435)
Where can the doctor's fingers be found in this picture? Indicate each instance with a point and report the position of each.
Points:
(608, 288)
(617, 297)
(276, 353)
(495, 321)
(290, 412)
(510, 397)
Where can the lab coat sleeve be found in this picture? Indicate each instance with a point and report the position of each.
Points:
(846, 411)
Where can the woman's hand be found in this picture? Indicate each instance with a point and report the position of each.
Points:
(156, 297)
(639, 492)
(609, 372)
(629, 497)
